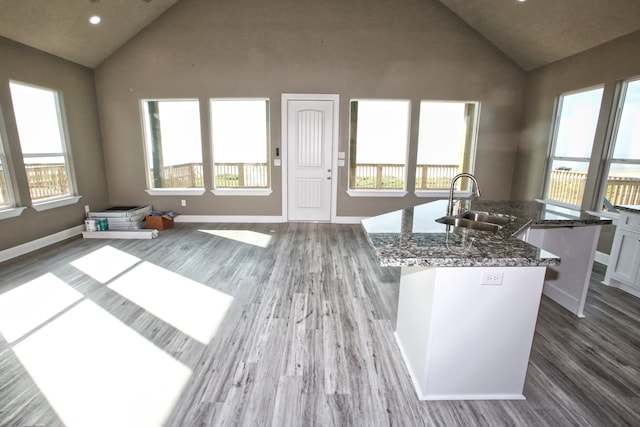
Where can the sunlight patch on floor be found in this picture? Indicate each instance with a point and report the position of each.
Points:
(29, 305)
(105, 263)
(96, 371)
(185, 304)
(244, 236)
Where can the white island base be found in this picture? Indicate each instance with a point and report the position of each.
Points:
(463, 340)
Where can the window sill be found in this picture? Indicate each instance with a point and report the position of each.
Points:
(242, 192)
(376, 193)
(55, 203)
(11, 212)
(442, 194)
(175, 191)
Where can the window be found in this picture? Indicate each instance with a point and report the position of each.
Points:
(6, 196)
(173, 144)
(623, 180)
(240, 138)
(572, 143)
(379, 135)
(39, 118)
(446, 142)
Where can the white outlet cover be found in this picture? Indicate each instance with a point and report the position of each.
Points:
(492, 278)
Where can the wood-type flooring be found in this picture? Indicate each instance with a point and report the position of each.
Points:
(269, 325)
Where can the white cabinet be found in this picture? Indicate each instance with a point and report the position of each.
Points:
(624, 261)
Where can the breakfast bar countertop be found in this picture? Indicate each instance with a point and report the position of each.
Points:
(630, 208)
(412, 237)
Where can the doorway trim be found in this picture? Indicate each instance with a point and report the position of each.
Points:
(286, 97)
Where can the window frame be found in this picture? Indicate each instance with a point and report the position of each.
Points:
(553, 140)
(469, 157)
(72, 196)
(360, 192)
(617, 112)
(242, 191)
(147, 140)
(11, 209)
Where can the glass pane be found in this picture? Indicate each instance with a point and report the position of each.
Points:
(36, 112)
(445, 143)
(240, 135)
(623, 185)
(47, 177)
(174, 147)
(379, 136)
(4, 194)
(567, 181)
(627, 144)
(623, 180)
(577, 126)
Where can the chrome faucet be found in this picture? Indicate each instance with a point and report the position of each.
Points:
(453, 184)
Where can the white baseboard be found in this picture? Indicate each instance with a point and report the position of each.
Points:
(248, 219)
(602, 258)
(33, 245)
(243, 219)
(349, 219)
(563, 298)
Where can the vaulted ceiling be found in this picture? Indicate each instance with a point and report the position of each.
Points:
(533, 33)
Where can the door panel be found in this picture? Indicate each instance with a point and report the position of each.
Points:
(310, 148)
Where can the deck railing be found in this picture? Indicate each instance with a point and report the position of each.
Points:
(47, 180)
(374, 176)
(241, 175)
(188, 175)
(227, 175)
(435, 177)
(568, 187)
(50, 180)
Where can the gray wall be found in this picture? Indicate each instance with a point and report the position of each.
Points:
(606, 64)
(76, 83)
(411, 49)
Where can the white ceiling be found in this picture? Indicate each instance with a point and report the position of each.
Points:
(533, 33)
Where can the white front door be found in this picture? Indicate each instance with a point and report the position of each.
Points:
(310, 135)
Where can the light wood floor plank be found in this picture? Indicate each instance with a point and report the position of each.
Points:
(308, 338)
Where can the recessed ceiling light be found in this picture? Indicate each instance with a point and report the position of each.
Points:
(95, 19)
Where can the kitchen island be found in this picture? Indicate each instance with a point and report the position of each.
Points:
(469, 299)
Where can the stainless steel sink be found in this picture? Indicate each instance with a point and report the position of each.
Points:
(459, 221)
(491, 218)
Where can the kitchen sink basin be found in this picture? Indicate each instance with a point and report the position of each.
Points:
(491, 218)
(459, 221)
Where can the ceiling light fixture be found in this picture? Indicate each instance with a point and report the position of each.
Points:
(95, 19)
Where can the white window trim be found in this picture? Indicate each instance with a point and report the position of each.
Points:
(442, 194)
(11, 212)
(553, 140)
(66, 151)
(146, 139)
(377, 193)
(46, 204)
(242, 191)
(474, 145)
(617, 110)
(175, 191)
(355, 192)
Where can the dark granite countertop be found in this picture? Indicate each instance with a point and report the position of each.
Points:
(412, 237)
(630, 208)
